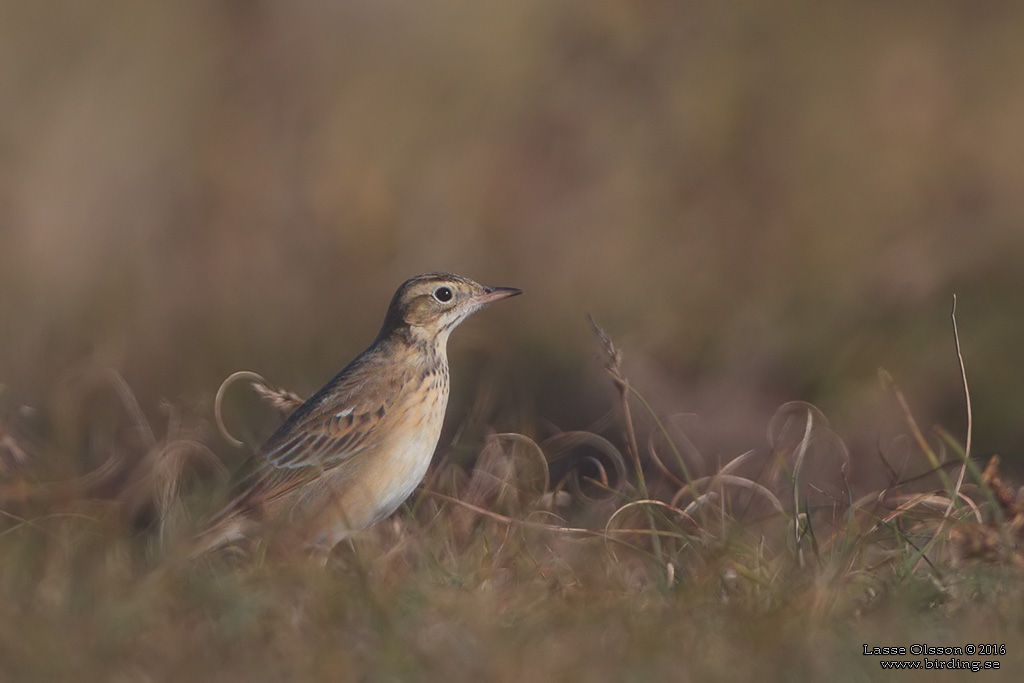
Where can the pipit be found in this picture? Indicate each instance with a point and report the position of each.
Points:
(353, 452)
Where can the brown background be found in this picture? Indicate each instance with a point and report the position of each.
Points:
(760, 204)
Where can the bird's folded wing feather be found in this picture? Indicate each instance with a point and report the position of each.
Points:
(334, 425)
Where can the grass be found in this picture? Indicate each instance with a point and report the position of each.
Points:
(190, 186)
(558, 558)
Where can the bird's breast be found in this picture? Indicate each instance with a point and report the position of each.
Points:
(406, 450)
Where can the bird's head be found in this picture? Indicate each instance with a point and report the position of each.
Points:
(431, 305)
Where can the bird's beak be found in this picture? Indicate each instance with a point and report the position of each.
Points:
(494, 293)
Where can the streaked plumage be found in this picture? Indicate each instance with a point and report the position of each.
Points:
(353, 452)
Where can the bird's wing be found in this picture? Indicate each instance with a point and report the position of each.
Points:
(334, 425)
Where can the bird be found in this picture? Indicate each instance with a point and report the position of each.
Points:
(352, 453)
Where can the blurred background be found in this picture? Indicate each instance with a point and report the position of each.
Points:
(760, 203)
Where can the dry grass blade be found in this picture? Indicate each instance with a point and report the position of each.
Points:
(10, 445)
(654, 534)
(602, 473)
(652, 453)
(566, 441)
(83, 485)
(735, 462)
(283, 400)
(890, 384)
(159, 473)
(90, 376)
(612, 354)
(131, 404)
(531, 447)
(1012, 503)
(650, 502)
(934, 499)
(613, 365)
(970, 419)
(526, 523)
(692, 452)
(218, 402)
(801, 454)
(732, 480)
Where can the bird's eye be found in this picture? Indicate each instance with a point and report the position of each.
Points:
(443, 294)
